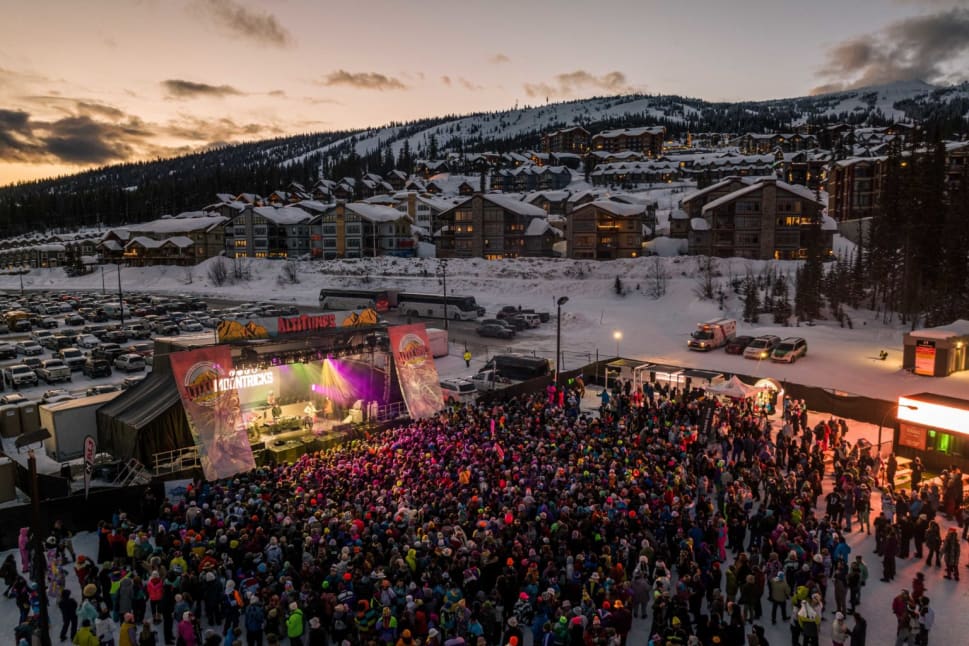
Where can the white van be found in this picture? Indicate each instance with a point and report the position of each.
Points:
(533, 319)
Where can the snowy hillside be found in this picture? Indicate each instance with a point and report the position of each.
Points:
(892, 102)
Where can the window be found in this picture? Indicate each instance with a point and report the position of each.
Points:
(584, 241)
(747, 239)
(329, 229)
(261, 244)
(329, 243)
(260, 254)
(353, 242)
(240, 243)
(747, 206)
(463, 245)
(748, 221)
(463, 216)
(464, 228)
(353, 229)
(259, 231)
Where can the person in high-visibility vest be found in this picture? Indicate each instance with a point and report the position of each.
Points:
(467, 357)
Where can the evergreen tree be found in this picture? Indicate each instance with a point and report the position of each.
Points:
(751, 300)
(781, 309)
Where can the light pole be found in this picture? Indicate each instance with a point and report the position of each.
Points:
(443, 264)
(617, 335)
(21, 274)
(120, 296)
(885, 417)
(38, 558)
(558, 335)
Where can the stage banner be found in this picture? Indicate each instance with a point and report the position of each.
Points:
(90, 452)
(268, 327)
(209, 387)
(416, 370)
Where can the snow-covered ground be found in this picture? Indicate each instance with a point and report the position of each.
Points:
(653, 329)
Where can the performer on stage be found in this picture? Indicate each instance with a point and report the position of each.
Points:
(309, 414)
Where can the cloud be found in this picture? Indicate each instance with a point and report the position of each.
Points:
(217, 130)
(363, 80)
(239, 20)
(926, 48)
(446, 80)
(498, 59)
(572, 83)
(468, 85)
(16, 138)
(182, 89)
(82, 140)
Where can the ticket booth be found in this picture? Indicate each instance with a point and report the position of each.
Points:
(934, 428)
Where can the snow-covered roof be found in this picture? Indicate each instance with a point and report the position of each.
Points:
(551, 196)
(179, 241)
(515, 206)
(111, 245)
(632, 132)
(615, 208)
(699, 224)
(959, 327)
(796, 189)
(375, 212)
(538, 227)
(282, 214)
(144, 241)
(678, 214)
(724, 183)
(194, 221)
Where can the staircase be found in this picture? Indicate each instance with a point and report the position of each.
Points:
(131, 473)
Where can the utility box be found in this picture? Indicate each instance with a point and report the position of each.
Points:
(29, 417)
(9, 421)
(8, 480)
(69, 422)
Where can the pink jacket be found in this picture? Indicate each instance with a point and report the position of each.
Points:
(186, 630)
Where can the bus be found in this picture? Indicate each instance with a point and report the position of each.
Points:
(355, 299)
(458, 308)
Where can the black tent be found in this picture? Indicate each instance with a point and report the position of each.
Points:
(146, 419)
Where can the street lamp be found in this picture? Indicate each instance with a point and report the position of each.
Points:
(39, 557)
(21, 274)
(443, 264)
(558, 335)
(617, 335)
(885, 417)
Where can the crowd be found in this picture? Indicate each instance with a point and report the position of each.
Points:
(497, 524)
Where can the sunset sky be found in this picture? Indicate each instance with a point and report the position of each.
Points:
(101, 81)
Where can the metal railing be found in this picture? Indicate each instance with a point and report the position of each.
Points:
(175, 460)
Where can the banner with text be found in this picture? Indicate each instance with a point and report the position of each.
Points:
(90, 452)
(271, 327)
(416, 370)
(209, 387)
(925, 357)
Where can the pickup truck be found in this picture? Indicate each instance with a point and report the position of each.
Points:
(73, 357)
(19, 375)
(53, 371)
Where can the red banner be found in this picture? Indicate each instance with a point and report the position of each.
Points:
(207, 385)
(416, 370)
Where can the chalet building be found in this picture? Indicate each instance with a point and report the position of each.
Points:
(648, 141)
(854, 186)
(764, 220)
(693, 203)
(606, 230)
(38, 250)
(492, 226)
(531, 178)
(956, 164)
(630, 174)
(709, 168)
(805, 167)
(358, 230)
(754, 143)
(554, 203)
(268, 232)
(185, 239)
(574, 140)
(597, 157)
(423, 212)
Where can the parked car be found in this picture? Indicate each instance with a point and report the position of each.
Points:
(101, 389)
(507, 310)
(115, 336)
(29, 348)
(95, 368)
(23, 325)
(73, 319)
(54, 371)
(88, 341)
(738, 344)
(7, 351)
(107, 351)
(458, 390)
(518, 322)
(56, 395)
(133, 380)
(762, 347)
(500, 322)
(73, 357)
(12, 399)
(789, 350)
(137, 331)
(190, 325)
(130, 362)
(19, 375)
(495, 331)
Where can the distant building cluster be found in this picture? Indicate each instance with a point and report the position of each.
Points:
(584, 195)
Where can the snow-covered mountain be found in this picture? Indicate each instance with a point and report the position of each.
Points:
(146, 190)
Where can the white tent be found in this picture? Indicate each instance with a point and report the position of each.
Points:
(734, 388)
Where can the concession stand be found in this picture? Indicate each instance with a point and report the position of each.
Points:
(934, 428)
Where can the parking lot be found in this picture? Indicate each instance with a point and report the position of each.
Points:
(56, 346)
